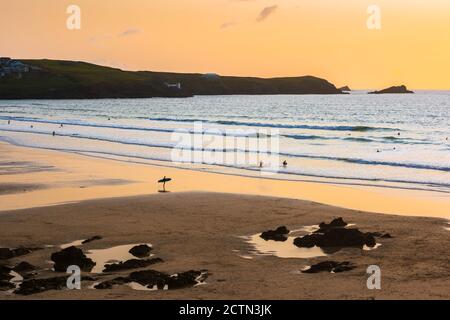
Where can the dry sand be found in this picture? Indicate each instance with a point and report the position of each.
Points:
(202, 231)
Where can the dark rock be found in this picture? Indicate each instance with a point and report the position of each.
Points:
(24, 267)
(6, 285)
(6, 253)
(94, 238)
(336, 237)
(280, 234)
(330, 266)
(130, 264)
(336, 223)
(34, 286)
(394, 89)
(141, 251)
(5, 273)
(71, 256)
(386, 236)
(151, 278)
(308, 241)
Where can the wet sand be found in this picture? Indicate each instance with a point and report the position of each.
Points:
(71, 177)
(204, 231)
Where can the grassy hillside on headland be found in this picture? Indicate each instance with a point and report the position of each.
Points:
(54, 79)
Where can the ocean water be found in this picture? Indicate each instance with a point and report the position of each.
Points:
(383, 140)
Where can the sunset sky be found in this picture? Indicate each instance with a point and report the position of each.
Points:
(325, 38)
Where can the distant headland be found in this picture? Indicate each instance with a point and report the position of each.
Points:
(398, 89)
(56, 79)
(345, 89)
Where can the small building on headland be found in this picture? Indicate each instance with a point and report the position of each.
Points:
(174, 85)
(10, 66)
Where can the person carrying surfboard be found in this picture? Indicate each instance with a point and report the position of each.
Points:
(163, 181)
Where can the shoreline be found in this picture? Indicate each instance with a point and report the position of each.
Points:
(78, 177)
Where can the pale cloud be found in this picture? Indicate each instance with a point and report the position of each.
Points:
(266, 12)
(129, 32)
(227, 25)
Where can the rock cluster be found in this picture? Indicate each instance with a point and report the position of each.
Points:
(141, 251)
(71, 256)
(151, 279)
(130, 264)
(280, 234)
(335, 234)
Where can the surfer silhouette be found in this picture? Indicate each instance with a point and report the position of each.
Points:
(163, 181)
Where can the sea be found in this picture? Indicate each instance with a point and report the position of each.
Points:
(395, 140)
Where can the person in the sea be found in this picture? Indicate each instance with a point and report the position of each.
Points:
(9, 121)
(261, 164)
(285, 163)
(61, 125)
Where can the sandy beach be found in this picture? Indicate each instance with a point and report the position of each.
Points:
(52, 177)
(202, 224)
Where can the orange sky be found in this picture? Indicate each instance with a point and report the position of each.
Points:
(325, 38)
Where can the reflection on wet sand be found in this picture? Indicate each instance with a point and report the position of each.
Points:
(67, 176)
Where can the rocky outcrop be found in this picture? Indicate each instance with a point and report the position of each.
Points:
(141, 251)
(336, 237)
(5, 273)
(71, 256)
(330, 266)
(24, 267)
(336, 223)
(280, 234)
(131, 264)
(6, 285)
(152, 278)
(398, 89)
(6, 253)
(345, 89)
(34, 286)
(40, 285)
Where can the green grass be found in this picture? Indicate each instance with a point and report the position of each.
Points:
(71, 79)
